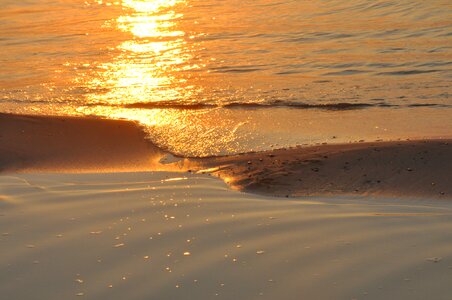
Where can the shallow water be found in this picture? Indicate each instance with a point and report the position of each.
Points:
(124, 235)
(166, 63)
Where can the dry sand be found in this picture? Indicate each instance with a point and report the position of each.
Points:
(180, 235)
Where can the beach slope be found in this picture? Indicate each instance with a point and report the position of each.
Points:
(390, 168)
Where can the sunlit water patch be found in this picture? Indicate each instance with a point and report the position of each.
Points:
(133, 58)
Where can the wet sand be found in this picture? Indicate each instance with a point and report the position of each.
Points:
(367, 221)
(403, 169)
(166, 236)
(394, 168)
(74, 144)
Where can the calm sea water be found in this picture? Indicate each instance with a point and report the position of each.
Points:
(207, 77)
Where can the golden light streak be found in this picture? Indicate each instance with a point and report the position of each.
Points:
(148, 67)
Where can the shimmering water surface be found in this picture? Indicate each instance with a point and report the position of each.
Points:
(214, 77)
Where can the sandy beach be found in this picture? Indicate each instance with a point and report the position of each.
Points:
(71, 144)
(236, 150)
(396, 168)
(143, 224)
(166, 236)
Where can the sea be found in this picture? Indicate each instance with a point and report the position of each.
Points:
(216, 77)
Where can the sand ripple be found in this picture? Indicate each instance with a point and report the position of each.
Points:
(117, 236)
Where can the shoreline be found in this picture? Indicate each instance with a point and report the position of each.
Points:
(93, 145)
(115, 230)
(73, 144)
(408, 168)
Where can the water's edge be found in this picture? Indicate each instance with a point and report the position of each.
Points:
(57, 144)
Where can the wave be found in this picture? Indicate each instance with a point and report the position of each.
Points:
(276, 104)
(408, 72)
(175, 104)
(251, 105)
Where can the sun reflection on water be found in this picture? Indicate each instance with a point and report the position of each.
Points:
(149, 64)
(152, 67)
